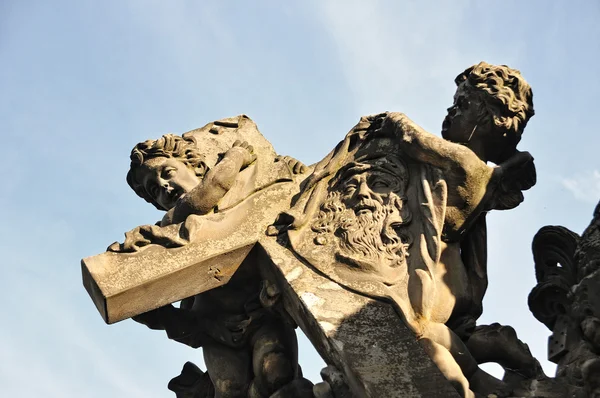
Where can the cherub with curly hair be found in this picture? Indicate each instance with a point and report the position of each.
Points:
(492, 106)
(171, 174)
(249, 351)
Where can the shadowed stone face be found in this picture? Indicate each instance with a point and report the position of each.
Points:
(461, 121)
(167, 179)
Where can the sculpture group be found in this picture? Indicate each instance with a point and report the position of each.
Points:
(390, 225)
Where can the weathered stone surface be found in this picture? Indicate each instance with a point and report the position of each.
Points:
(157, 265)
(179, 251)
(123, 285)
(363, 337)
(384, 215)
(218, 205)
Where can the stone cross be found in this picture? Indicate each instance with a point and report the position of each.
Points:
(354, 324)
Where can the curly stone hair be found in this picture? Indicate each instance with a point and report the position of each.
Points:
(506, 96)
(167, 146)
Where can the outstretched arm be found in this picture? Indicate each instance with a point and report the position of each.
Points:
(180, 324)
(471, 183)
(427, 148)
(215, 184)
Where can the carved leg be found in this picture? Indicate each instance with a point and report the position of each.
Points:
(442, 335)
(448, 366)
(229, 369)
(477, 379)
(274, 358)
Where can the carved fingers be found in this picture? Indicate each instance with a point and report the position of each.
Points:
(134, 240)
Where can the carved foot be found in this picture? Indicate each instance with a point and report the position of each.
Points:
(192, 383)
(500, 344)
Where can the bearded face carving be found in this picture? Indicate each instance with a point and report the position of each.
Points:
(365, 217)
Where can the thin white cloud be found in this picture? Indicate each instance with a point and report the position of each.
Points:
(584, 186)
(403, 56)
(381, 46)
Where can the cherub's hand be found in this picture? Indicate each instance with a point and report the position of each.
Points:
(154, 319)
(515, 175)
(134, 241)
(296, 166)
(245, 151)
(518, 172)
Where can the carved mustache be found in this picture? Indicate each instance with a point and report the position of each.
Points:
(368, 204)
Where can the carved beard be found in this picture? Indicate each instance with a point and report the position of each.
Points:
(368, 240)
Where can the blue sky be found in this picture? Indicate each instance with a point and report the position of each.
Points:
(81, 82)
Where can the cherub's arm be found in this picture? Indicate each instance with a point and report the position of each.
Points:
(471, 183)
(180, 324)
(215, 184)
(427, 148)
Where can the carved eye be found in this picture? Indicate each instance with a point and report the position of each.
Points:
(462, 103)
(349, 189)
(380, 184)
(169, 172)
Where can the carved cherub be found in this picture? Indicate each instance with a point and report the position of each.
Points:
(171, 174)
(248, 349)
(492, 106)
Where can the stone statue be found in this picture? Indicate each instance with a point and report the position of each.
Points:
(383, 215)
(492, 106)
(172, 173)
(249, 350)
(382, 241)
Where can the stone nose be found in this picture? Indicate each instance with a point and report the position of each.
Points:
(363, 191)
(165, 186)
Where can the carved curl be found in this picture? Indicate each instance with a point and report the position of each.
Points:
(506, 95)
(167, 146)
(555, 270)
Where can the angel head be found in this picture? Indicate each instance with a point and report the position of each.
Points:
(492, 106)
